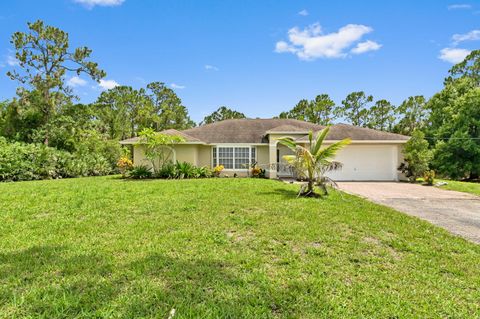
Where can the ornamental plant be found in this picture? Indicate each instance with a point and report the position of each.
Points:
(257, 172)
(312, 161)
(124, 164)
(429, 177)
(217, 170)
(158, 147)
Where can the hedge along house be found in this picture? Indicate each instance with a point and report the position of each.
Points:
(372, 155)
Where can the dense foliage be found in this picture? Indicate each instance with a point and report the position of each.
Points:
(223, 113)
(417, 156)
(79, 139)
(22, 161)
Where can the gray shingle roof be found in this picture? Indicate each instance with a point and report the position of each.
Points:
(244, 130)
(355, 133)
(188, 138)
(256, 131)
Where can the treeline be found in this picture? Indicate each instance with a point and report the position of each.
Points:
(44, 117)
(360, 109)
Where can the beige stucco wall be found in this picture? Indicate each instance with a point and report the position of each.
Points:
(199, 155)
(262, 155)
(186, 153)
(139, 156)
(204, 157)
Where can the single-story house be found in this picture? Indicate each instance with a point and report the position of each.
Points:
(372, 155)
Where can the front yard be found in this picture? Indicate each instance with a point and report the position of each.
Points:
(466, 187)
(230, 248)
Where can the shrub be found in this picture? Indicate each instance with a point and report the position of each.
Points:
(168, 170)
(204, 172)
(217, 170)
(258, 172)
(21, 162)
(429, 177)
(417, 156)
(140, 172)
(185, 170)
(124, 164)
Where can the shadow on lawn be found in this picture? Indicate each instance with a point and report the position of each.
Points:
(41, 281)
(45, 281)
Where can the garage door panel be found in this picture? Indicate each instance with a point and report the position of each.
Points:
(366, 163)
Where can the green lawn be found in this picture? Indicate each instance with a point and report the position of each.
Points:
(467, 187)
(229, 248)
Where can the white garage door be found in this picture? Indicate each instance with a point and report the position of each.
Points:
(367, 163)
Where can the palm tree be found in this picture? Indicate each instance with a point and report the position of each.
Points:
(313, 162)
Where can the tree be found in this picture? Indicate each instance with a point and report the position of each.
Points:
(221, 114)
(124, 111)
(22, 117)
(382, 116)
(355, 108)
(417, 156)
(414, 115)
(457, 151)
(313, 162)
(469, 67)
(168, 111)
(44, 59)
(158, 147)
(318, 111)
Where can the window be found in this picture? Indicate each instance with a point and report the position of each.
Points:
(234, 157)
(253, 155)
(242, 157)
(225, 157)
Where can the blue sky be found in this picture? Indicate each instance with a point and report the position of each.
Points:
(258, 57)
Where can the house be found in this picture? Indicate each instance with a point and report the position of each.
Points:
(372, 155)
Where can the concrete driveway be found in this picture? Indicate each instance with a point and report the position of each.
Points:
(457, 212)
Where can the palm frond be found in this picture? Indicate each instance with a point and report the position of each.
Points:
(288, 142)
(330, 151)
(319, 140)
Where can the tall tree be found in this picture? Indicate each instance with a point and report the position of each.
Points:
(221, 114)
(44, 58)
(167, 108)
(458, 140)
(382, 115)
(355, 108)
(413, 114)
(318, 111)
(124, 111)
(469, 67)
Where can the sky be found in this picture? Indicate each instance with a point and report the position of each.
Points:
(257, 57)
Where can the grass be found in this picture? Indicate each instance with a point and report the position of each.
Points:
(466, 187)
(222, 248)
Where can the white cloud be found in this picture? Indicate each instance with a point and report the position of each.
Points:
(12, 61)
(108, 84)
(470, 36)
(459, 6)
(304, 12)
(453, 55)
(366, 46)
(76, 81)
(102, 3)
(176, 86)
(210, 67)
(311, 43)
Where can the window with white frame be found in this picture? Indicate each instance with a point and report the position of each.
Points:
(234, 157)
